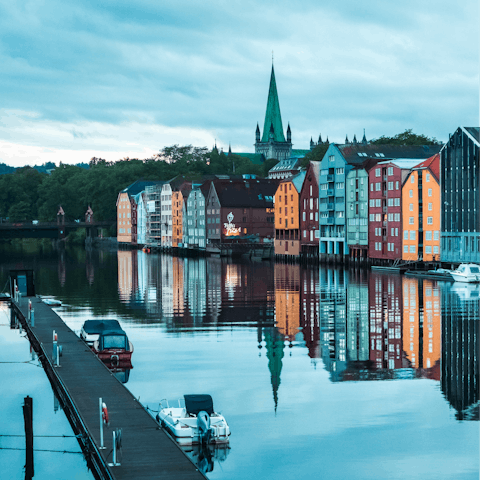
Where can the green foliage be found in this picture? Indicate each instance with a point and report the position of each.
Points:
(406, 138)
(28, 194)
(315, 155)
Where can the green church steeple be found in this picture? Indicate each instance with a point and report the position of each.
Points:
(273, 117)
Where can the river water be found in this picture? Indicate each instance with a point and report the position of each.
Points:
(319, 372)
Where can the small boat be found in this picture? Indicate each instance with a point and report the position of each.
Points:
(196, 423)
(93, 328)
(51, 302)
(466, 272)
(114, 348)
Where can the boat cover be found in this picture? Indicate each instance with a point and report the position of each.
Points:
(197, 403)
(93, 327)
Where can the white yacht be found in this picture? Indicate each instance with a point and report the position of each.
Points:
(195, 423)
(466, 272)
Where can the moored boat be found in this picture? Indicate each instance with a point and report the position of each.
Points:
(93, 328)
(114, 348)
(467, 272)
(196, 423)
(51, 302)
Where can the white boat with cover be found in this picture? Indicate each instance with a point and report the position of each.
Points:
(197, 422)
(466, 272)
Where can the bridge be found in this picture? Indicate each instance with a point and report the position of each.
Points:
(50, 229)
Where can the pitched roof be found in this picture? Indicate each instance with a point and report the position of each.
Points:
(139, 186)
(298, 152)
(356, 154)
(433, 163)
(298, 180)
(314, 167)
(272, 115)
(254, 193)
(473, 132)
(288, 164)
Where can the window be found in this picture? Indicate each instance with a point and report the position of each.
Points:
(405, 248)
(429, 192)
(397, 201)
(427, 177)
(435, 249)
(372, 202)
(371, 187)
(396, 185)
(410, 193)
(372, 217)
(412, 249)
(390, 202)
(340, 185)
(412, 179)
(378, 186)
(430, 206)
(377, 172)
(396, 232)
(428, 249)
(390, 171)
(392, 232)
(411, 207)
(411, 220)
(331, 158)
(390, 185)
(378, 202)
(340, 171)
(435, 235)
(412, 234)
(428, 235)
(429, 220)
(405, 234)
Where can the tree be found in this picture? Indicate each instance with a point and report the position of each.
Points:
(315, 155)
(406, 138)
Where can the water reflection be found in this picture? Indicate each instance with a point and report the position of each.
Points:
(205, 456)
(357, 324)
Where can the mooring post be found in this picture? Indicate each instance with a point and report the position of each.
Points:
(28, 418)
(54, 350)
(32, 318)
(100, 409)
(114, 454)
(29, 311)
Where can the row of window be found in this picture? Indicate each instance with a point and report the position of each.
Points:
(391, 202)
(428, 249)
(122, 230)
(428, 234)
(357, 221)
(411, 220)
(120, 215)
(391, 217)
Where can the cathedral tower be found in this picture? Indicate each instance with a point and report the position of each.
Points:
(272, 144)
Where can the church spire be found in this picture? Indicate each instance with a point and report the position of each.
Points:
(272, 115)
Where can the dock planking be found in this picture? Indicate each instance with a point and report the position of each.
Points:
(147, 451)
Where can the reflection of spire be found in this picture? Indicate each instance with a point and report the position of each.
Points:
(274, 345)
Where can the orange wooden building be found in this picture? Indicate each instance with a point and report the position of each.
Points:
(287, 216)
(421, 200)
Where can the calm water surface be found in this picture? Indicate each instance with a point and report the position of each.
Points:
(319, 372)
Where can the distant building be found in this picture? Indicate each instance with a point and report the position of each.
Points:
(309, 211)
(460, 198)
(272, 142)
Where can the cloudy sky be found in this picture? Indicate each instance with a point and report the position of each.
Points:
(114, 79)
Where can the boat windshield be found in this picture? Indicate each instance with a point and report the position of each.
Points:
(474, 270)
(114, 341)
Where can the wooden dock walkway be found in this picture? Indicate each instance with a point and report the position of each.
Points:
(80, 380)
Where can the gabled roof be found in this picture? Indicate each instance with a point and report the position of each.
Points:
(314, 167)
(248, 193)
(298, 152)
(433, 164)
(288, 164)
(355, 154)
(473, 132)
(298, 180)
(273, 118)
(139, 186)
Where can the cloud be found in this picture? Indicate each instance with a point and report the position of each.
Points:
(340, 66)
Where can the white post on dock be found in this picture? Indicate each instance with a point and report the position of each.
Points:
(29, 310)
(100, 404)
(58, 355)
(114, 454)
(32, 318)
(54, 349)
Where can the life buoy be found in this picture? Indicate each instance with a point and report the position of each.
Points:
(104, 413)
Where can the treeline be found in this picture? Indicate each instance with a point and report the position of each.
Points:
(28, 194)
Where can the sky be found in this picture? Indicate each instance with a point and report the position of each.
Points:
(116, 79)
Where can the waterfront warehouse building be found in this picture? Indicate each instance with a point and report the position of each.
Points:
(460, 184)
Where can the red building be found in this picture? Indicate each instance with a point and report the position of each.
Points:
(308, 206)
(385, 208)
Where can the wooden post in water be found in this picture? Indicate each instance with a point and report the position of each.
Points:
(28, 417)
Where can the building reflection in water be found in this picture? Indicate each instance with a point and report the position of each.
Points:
(359, 325)
(459, 370)
(205, 456)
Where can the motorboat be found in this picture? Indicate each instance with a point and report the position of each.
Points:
(195, 423)
(467, 273)
(51, 302)
(114, 348)
(93, 328)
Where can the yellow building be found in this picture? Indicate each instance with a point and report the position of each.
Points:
(124, 218)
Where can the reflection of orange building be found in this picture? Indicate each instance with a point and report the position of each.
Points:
(432, 329)
(287, 216)
(422, 325)
(411, 320)
(421, 212)
(178, 286)
(125, 273)
(180, 191)
(287, 300)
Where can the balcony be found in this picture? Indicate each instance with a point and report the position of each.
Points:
(330, 221)
(330, 206)
(330, 192)
(330, 178)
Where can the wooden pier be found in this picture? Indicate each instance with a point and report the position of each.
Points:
(81, 379)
